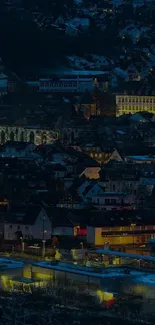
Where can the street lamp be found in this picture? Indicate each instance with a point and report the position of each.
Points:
(22, 244)
(43, 238)
(133, 227)
(82, 247)
(43, 248)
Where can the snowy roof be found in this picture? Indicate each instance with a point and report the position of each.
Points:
(144, 158)
(6, 263)
(146, 279)
(3, 76)
(79, 21)
(121, 254)
(84, 72)
(70, 268)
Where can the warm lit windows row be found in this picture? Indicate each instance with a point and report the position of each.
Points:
(44, 85)
(138, 99)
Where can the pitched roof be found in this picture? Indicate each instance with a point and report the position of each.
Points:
(62, 217)
(23, 214)
(86, 98)
(59, 217)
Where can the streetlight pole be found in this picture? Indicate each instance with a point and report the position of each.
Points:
(22, 244)
(133, 228)
(82, 247)
(43, 238)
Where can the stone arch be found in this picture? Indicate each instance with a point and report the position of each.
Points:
(43, 138)
(3, 137)
(31, 137)
(12, 136)
(22, 136)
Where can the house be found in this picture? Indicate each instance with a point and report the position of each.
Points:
(27, 222)
(70, 200)
(113, 201)
(16, 149)
(133, 74)
(59, 171)
(68, 223)
(59, 20)
(61, 223)
(87, 105)
(89, 189)
(102, 155)
(120, 178)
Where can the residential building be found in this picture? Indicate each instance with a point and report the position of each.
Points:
(128, 104)
(27, 222)
(101, 155)
(113, 201)
(87, 105)
(133, 74)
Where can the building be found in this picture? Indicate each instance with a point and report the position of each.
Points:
(70, 84)
(18, 150)
(87, 105)
(127, 104)
(133, 74)
(101, 155)
(27, 222)
(113, 201)
(9, 268)
(120, 227)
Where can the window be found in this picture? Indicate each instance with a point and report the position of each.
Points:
(18, 227)
(107, 201)
(26, 227)
(10, 226)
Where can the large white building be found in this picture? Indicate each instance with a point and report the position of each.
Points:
(73, 84)
(69, 81)
(126, 104)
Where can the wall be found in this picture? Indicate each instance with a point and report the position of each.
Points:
(63, 231)
(120, 240)
(91, 235)
(133, 104)
(10, 230)
(37, 228)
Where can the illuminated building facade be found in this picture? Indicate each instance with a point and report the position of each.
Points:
(26, 133)
(120, 235)
(126, 104)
